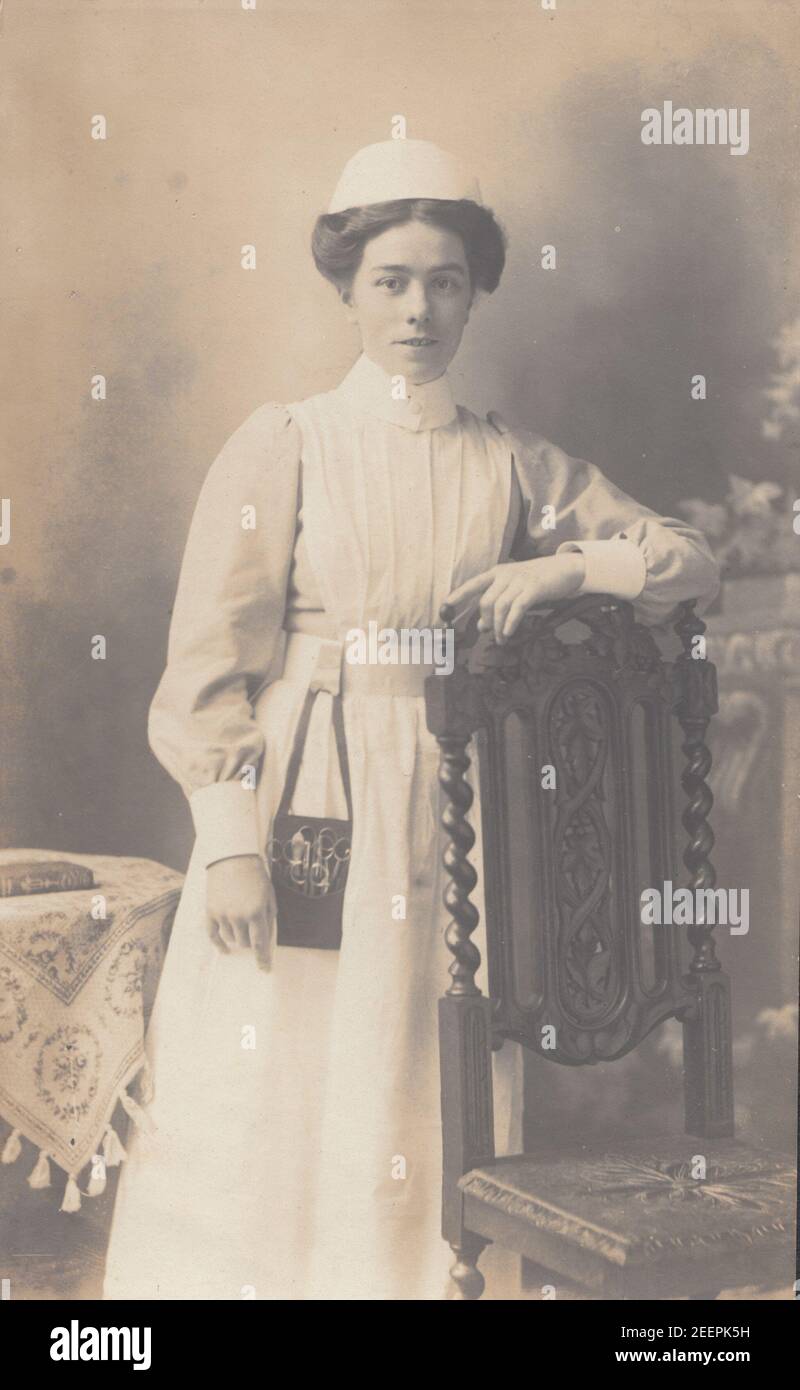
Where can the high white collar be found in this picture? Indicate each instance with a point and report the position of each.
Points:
(370, 389)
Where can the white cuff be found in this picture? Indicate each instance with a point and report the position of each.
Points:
(612, 567)
(225, 820)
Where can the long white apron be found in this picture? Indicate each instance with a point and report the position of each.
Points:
(297, 1151)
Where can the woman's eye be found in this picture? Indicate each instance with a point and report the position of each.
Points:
(390, 282)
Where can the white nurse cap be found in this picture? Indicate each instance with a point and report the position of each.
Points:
(402, 169)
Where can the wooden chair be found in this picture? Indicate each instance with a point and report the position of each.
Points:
(575, 975)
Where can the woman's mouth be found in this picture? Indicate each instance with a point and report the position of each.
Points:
(416, 342)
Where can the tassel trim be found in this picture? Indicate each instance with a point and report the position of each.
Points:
(12, 1147)
(114, 1151)
(72, 1196)
(97, 1182)
(39, 1175)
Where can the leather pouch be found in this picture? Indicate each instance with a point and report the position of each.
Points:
(309, 856)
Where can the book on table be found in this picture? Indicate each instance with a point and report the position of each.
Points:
(42, 876)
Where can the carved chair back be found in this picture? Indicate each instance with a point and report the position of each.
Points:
(577, 775)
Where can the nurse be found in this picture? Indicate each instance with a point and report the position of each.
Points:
(297, 1144)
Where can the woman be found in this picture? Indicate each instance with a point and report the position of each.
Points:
(297, 1147)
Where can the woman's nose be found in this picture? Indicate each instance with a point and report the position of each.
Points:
(418, 311)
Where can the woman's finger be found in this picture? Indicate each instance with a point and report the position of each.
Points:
(470, 588)
(214, 933)
(488, 599)
(515, 615)
(241, 936)
(226, 931)
(260, 931)
(502, 607)
(494, 595)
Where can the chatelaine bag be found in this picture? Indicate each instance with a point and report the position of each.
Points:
(309, 856)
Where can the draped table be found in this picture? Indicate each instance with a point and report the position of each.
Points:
(78, 976)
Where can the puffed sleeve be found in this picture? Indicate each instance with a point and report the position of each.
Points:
(629, 551)
(226, 626)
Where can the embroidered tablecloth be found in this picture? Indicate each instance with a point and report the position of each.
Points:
(78, 976)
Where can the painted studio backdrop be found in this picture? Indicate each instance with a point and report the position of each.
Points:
(124, 259)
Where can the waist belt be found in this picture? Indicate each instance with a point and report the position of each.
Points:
(320, 663)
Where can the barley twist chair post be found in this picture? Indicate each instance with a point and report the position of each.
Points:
(464, 1012)
(707, 1030)
(461, 876)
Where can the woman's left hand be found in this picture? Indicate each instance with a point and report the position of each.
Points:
(509, 590)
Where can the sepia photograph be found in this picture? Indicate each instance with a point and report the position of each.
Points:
(400, 681)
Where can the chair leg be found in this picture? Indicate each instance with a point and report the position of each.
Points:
(708, 1059)
(468, 1280)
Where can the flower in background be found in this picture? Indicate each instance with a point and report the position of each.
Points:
(752, 499)
(751, 532)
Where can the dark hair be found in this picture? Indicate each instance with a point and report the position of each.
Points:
(339, 238)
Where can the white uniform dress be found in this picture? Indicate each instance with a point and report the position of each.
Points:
(297, 1150)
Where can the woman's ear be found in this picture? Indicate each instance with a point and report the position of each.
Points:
(346, 296)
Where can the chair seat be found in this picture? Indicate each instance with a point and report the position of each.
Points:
(631, 1221)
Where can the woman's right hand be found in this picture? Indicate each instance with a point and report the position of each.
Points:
(240, 906)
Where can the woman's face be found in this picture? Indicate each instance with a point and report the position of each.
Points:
(411, 298)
